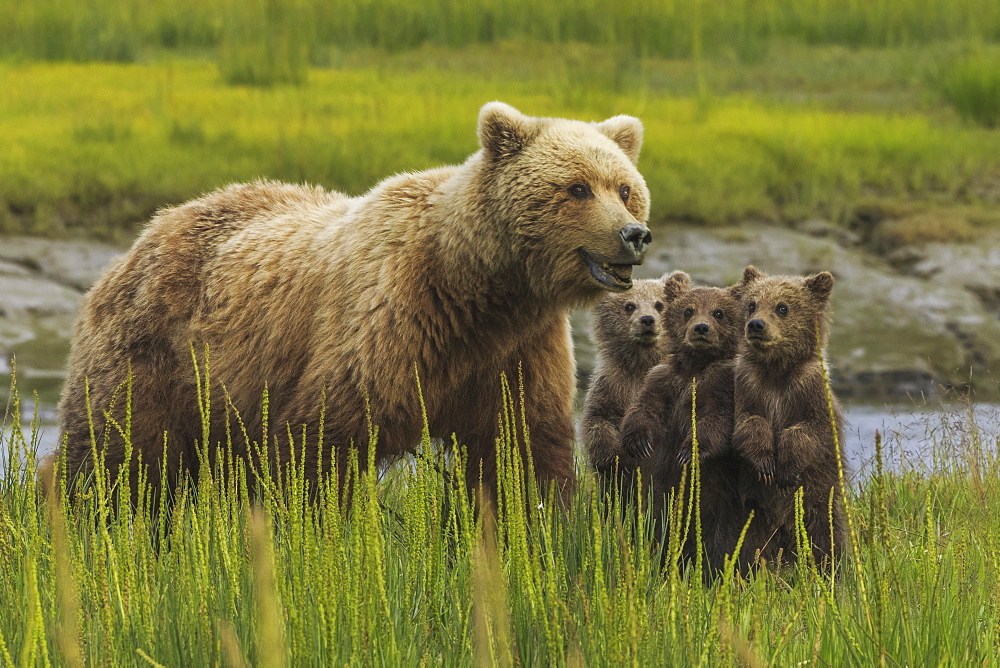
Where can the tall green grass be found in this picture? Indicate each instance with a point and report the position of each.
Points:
(87, 30)
(409, 573)
(972, 86)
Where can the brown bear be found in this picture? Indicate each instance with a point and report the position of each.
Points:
(783, 432)
(704, 328)
(337, 305)
(628, 331)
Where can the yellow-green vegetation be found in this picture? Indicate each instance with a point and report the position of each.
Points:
(96, 148)
(409, 573)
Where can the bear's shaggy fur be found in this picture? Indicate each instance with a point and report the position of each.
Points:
(782, 428)
(456, 274)
(704, 328)
(628, 331)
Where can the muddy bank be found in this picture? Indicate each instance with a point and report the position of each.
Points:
(907, 322)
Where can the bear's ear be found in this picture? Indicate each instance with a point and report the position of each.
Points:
(820, 285)
(504, 131)
(750, 274)
(626, 131)
(675, 285)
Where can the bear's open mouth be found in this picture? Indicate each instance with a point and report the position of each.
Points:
(615, 277)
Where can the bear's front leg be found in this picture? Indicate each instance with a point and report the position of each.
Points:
(549, 375)
(753, 439)
(642, 426)
(797, 449)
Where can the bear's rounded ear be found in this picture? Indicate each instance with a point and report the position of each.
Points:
(504, 131)
(820, 285)
(750, 274)
(675, 285)
(626, 131)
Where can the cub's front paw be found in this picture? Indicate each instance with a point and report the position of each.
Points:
(787, 478)
(764, 465)
(637, 442)
(684, 453)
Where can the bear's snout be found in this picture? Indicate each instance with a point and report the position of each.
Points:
(647, 321)
(756, 327)
(701, 329)
(636, 238)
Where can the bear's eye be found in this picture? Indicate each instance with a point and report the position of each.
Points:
(629, 307)
(751, 307)
(624, 191)
(688, 312)
(658, 306)
(579, 190)
(782, 309)
(718, 314)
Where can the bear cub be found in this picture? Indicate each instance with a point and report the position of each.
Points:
(628, 330)
(704, 327)
(782, 431)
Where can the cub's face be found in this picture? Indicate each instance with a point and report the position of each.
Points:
(706, 321)
(785, 315)
(633, 319)
(571, 192)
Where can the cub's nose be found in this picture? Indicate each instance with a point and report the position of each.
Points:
(636, 237)
(755, 326)
(647, 321)
(701, 329)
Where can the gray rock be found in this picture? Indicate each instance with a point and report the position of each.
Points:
(77, 264)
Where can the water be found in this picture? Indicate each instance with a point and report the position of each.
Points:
(910, 432)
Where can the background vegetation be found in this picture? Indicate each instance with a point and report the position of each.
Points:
(776, 110)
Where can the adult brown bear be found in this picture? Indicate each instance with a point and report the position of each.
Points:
(457, 274)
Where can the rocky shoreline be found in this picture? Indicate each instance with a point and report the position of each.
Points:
(907, 323)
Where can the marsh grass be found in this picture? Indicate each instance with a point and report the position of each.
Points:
(71, 168)
(409, 572)
(971, 84)
(93, 30)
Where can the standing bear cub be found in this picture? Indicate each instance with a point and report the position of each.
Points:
(783, 432)
(337, 305)
(704, 329)
(628, 330)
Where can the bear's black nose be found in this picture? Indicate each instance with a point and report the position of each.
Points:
(636, 237)
(647, 321)
(701, 329)
(755, 326)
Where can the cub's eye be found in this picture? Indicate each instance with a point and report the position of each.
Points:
(718, 314)
(658, 306)
(782, 309)
(624, 191)
(579, 190)
(751, 307)
(688, 312)
(629, 307)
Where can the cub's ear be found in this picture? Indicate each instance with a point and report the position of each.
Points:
(675, 285)
(626, 131)
(750, 274)
(504, 131)
(820, 285)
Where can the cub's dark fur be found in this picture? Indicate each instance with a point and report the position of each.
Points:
(782, 430)
(704, 327)
(628, 329)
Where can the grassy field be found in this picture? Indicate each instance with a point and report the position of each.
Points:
(777, 110)
(411, 575)
(93, 149)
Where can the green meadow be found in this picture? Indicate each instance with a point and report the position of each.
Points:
(773, 111)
